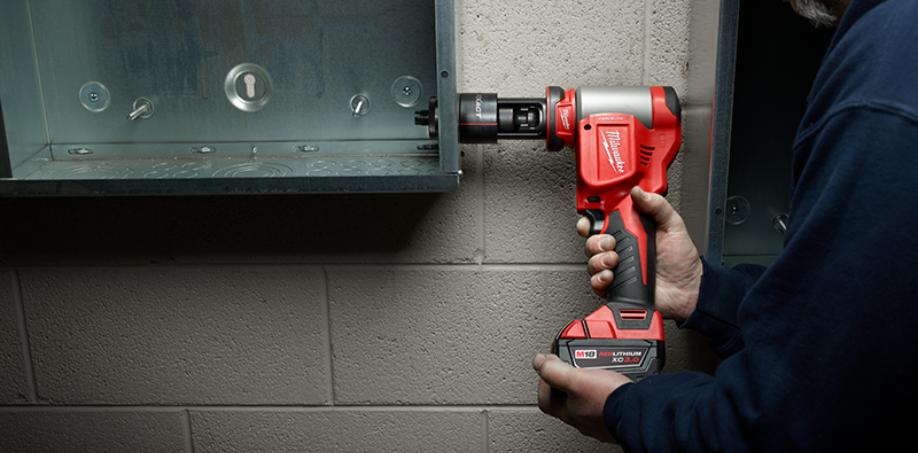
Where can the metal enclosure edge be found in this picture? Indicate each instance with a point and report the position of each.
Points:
(446, 86)
(720, 134)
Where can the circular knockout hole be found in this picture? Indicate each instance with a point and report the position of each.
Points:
(444, 74)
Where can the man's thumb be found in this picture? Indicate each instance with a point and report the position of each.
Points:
(553, 371)
(656, 207)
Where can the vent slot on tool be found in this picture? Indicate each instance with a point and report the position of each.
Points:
(646, 155)
(633, 315)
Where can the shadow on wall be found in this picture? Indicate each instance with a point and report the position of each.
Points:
(251, 228)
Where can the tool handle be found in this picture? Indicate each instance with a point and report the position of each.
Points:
(633, 278)
(630, 297)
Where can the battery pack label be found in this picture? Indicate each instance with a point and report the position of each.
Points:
(607, 357)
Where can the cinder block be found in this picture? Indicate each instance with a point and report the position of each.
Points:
(668, 49)
(13, 388)
(460, 335)
(97, 432)
(338, 431)
(178, 335)
(530, 205)
(518, 51)
(526, 431)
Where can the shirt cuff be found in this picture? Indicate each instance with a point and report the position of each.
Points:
(612, 410)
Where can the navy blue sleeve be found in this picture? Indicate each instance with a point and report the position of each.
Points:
(824, 328)
(819, 346)
(717, 313)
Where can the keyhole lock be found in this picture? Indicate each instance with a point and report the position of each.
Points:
(248, 87)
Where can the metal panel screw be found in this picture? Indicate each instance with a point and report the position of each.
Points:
(780, 223)
(360, 105)
(143, 108)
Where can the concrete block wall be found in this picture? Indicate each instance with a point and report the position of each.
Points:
(333, 323)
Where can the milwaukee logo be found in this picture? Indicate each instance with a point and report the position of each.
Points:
(612, 141)
(564, 113)
(585, 354)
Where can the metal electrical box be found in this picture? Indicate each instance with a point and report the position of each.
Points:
(215, 96)
(762, 85)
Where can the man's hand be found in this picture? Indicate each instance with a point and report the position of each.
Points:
(678, 266)
(576, 395)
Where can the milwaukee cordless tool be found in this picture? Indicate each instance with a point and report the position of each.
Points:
(623, 137)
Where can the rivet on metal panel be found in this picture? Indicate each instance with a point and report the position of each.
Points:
(406, 91)
(738, 209)
(94, 97)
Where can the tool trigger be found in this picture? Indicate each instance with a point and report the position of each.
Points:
(597, 220)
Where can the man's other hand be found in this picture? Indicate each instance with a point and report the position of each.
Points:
(576, 395)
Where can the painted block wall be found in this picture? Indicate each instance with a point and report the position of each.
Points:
(336, 323)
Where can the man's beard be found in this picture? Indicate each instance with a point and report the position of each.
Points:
(817, 12)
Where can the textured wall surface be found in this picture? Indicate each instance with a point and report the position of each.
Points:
(371, 323)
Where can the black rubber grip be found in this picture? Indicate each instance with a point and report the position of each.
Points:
(628, 289)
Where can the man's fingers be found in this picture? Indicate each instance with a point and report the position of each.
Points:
(553, 375)
(576, 396)
(553, 371)
(599, 244)
(656, 207)
(583, 226)
(602, 262)
(553, 402)
(601, 281)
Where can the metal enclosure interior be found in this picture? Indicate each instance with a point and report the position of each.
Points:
(763, 80)
(248, 96)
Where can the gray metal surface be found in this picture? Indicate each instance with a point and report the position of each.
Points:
(154, 81)
(20, 92)
(634, 100)
(723, 118)
(236, 167)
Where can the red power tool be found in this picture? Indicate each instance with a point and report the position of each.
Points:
(623, 137)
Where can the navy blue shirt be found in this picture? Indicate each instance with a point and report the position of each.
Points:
(820, 347)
